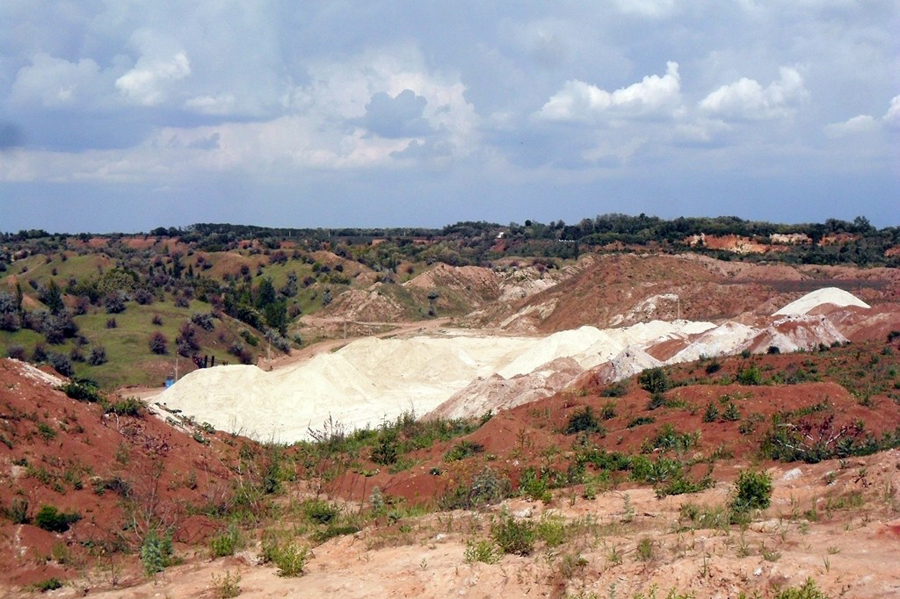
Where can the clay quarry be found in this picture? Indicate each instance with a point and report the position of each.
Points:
(628, 425)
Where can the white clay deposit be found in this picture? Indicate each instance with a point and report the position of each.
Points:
(460, 373)
(819, 297)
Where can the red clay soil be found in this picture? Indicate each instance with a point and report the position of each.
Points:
(533, 434)
(60, 452)
(615, 284)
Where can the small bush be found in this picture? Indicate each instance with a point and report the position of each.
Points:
(809, 590)
(226, 542)
(319, 511)
(16, 352)
(654, 380)
(130, 406)
(280, 549)
(81, 390)
(203, 320)
(750, 376)
(158, 343)
(226, 586)
(711, 414)
(513, 536)
(156, 552)
(463, 450)
(49, 518)
(752, 490)
(62, 364)
(640, 420)
(17, 513)
(50, 584)
(584, 421)
(619, 389)
(97, 356)
(485, 488)
(157, 320)
(111, 323)
(481, 550)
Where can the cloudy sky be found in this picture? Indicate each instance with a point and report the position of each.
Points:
(124, 115)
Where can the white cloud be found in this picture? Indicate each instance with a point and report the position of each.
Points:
(646, 8)
(578, 101)
(148, 81)
(865, 123)
(892, 116)
(220, 105)
(161, 64)
(862, 123)
(746, 99)
(55, 82)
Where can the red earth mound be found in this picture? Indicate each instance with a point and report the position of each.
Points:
(120, 474)
(843, 395)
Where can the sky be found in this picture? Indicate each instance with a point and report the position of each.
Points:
(125, 115)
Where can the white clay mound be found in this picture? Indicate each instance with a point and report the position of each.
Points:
(819, 297)
(373, 380)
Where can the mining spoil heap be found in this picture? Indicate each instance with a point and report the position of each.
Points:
(464, 374)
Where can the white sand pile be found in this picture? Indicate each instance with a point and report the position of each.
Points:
(726, 339)
(814, 299)
(496, 393)
(796, 333)
(373, 380)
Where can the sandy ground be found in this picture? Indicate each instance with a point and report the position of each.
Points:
(848, 550)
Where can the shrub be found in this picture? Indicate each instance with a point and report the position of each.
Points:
(144, 297)
(485, 488)
(711, 414)
(157, 320)
(619, 389)
(62, 364)
(731, 414)
(534, 485)
(654, 380)
(750, 376)
(111, 323)
(640, 420)
(16, 351)
(752, 490)
(227, 585)
(97, 356)
(81, 390)
(809, 590)
(49, 518)
(158, 343)
(156, 552)
(114, 303)
(584, 421)
(17, 513)
(203, 320)
(657, 400)
(226, 542)
(608, 412)
(481, 550)
(320, 512)
(463, 450)
(187, 340)
(514, 536)
(50, 584)
(713, 367)
(130, 406)
(386, 450)
(278, 548)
